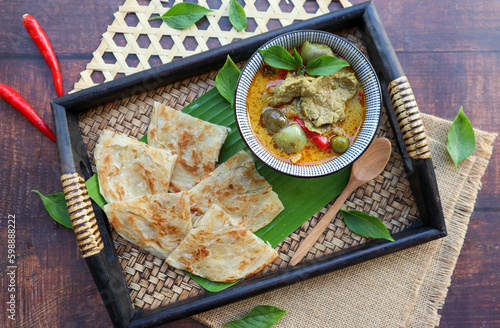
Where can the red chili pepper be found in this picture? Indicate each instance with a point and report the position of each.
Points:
(282, 74)
(42, 42)
(15, 99)
(319, 140)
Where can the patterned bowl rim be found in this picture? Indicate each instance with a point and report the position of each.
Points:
(365, 73)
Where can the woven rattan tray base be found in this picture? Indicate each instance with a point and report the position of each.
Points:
(152, 282)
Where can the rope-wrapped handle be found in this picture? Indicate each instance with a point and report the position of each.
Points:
(408, 116)
(81, 214)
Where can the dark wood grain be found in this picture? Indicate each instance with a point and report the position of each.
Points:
(448, 49)
(447, 26)
(74, 27)
(443, 82)
(472, 299)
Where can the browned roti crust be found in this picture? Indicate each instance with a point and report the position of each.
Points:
(197, 143)
(239, 190)
(155, 223)
(128, 168)
(220, 249)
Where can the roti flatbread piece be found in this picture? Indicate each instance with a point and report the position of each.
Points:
(240, 191)
(155, 223)
(197, 143)
(128, 168)
(219, 249)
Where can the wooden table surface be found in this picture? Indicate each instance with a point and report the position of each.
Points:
(449, 49)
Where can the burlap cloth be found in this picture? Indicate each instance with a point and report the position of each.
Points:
(405, 289)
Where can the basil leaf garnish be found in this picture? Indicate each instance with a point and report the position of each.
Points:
(261, 316)
(325, 65)
(92, 185)
(226, 80)
(237, 16)
(365, 224)
(297, 59)
(461, 140)
(55, 204)
(279, 57)
(183, 15)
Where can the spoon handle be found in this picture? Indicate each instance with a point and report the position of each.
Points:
(322, 224)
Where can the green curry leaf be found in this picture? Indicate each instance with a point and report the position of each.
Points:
(237, 16)
(183, 15)
(365, 224)
(55, 204)
(261, 316)
(226, 80)
(461, 140)
(325, 65)
(279, 57)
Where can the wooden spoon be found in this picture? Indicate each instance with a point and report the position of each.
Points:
(366, 168)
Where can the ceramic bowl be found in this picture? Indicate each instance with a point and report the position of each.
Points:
(366, 75)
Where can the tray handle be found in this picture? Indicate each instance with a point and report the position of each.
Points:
(81, 214)
(409, 120)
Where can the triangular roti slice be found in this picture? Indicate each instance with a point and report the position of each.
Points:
(239, 190)
(197, 143)
(155, 223)
(128, 168)
(220, 249)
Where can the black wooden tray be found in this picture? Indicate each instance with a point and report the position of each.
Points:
(92, 230)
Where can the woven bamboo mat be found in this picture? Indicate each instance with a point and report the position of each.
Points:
(152, 282)
(132, 43)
